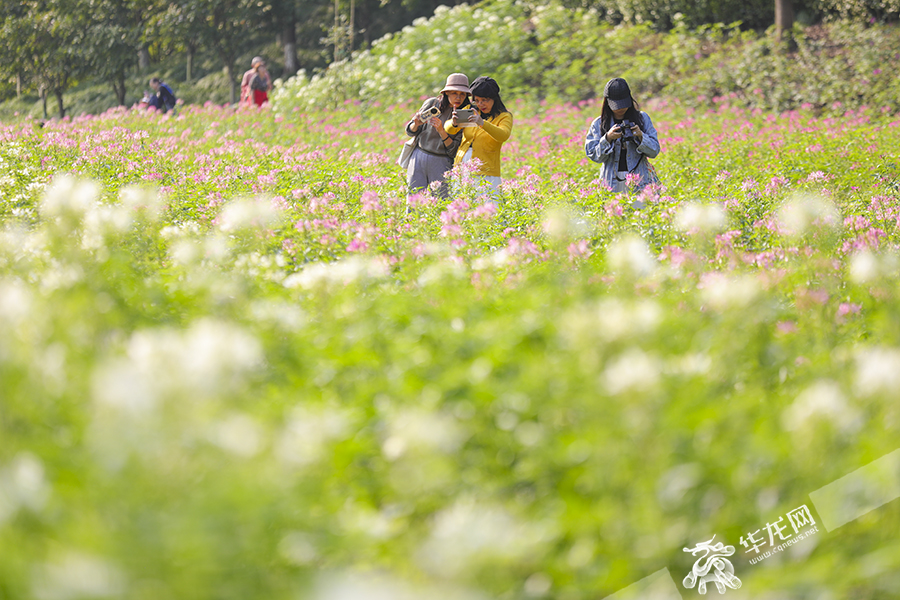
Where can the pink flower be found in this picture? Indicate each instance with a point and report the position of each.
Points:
(357, 245)
(632, 179)
(579, 250)
(847, 308)
(484, 211)
(785, 327)
(370, 201)
(818, 176)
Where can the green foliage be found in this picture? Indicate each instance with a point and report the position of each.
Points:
(569, 54)
(238, 366)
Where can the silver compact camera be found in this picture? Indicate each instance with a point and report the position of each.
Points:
(427, 113)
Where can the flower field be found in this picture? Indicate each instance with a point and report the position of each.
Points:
(236, 362)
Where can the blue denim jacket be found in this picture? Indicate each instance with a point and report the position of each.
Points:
(599, 150)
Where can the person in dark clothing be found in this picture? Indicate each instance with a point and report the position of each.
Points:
(164, 94)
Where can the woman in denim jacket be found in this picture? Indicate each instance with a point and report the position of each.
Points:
(622, 125)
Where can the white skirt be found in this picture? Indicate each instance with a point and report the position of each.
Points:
(490, 183)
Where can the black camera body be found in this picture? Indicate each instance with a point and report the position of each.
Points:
(625, 128)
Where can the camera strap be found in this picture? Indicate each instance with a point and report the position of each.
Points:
(640, 160)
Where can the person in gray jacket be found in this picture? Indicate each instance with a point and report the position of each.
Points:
(621, 139)
(435, 148)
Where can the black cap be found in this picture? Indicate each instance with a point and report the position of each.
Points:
(617, 94)
(485, 87)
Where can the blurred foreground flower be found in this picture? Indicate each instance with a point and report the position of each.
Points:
(630, 255)
(469, 535)
(803, 212)
(208, 358)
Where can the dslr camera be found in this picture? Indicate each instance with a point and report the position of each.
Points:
(626, 126)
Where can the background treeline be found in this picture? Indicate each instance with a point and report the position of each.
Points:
(546, 51)
(48, 47)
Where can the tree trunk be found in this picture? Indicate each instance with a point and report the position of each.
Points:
(784, 21)
(189, 70)
(337, 28)
(289, 37)
(59, 102)
(119, 88)
(143, 59)
(352, 27)
(229, 72)
(43, 93)
(18, 86)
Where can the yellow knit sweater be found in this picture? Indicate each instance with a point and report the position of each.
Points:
(485, 141)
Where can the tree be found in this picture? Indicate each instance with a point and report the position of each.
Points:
(180, 25)
(13, 33)
(784, 20)
(52, 35)
(227, 24)
(114, 34)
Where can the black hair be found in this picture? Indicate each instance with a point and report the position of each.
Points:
(445, 102)
(155, 80)
(498, 107)
(633, 114)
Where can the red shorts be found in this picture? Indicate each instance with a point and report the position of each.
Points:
(260, 97)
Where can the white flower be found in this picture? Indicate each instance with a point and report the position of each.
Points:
(631, 255)
(298, 548)
(564, 223)
(247, 213)
(22, 485)
(825, 400)
(703, 218)
(469, 533)
(207, 359)
(803, 211)
(618, 319)
(339, 272)
(373, 585)
(100, 221)
(867, 266)
(76, 575)
(632, 370)
(239, 434)
(15, 301)
(419, 428)
(495, 260)
(723, 292)
(308, 432)
(136, 198)
(66, 196)
(877, 370)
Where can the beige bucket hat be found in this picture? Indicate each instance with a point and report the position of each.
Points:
(457, 82)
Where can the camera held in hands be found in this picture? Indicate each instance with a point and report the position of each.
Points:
(431, 111)
(625, 128)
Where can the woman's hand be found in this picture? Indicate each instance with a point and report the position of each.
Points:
(416, 122)
(476, 118)
(435, 122)
(454, 118)
(638, 134)
(614, 133)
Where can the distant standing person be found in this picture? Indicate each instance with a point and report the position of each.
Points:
(165, 97)
(622, 138)
(435, 148)
(484, 133)
(256, 83)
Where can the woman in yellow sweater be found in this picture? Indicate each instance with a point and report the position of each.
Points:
(485, 131)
